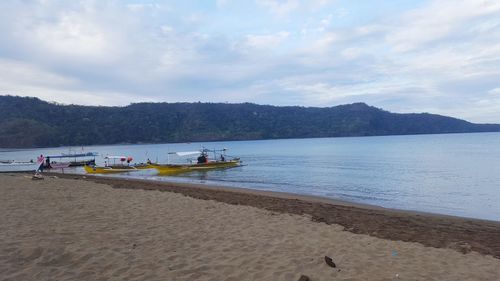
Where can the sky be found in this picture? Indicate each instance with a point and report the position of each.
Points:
(437, 56)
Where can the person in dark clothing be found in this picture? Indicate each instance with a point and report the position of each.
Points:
(202, 159)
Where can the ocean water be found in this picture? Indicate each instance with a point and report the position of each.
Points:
(454, 174)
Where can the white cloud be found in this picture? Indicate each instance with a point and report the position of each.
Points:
(139, 7)
(136, 7)
(166, 29)
(351, 53)
(317, 4)
(495, 91)
(437, 21)
(24, 79)
(442, 56)
(74, 36)
(21, 73)
(221, 3)
(266, 41)
(279, 8)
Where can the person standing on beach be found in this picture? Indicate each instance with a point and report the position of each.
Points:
(40, 161)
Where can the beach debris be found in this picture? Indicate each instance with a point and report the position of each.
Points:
(394, 253)
(351, 229)
(318, 219)
(304, 278)
(460, 246)
(330, 262)
(37, 176)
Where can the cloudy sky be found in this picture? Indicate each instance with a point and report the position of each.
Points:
(439, 56)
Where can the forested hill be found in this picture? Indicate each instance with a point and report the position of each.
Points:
(30, 122)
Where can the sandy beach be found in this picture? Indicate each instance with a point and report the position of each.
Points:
(109, 229)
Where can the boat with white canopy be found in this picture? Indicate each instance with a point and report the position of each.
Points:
(70, 160)
(208, 159)
(113, 164)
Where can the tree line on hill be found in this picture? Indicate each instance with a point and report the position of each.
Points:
(31, 122)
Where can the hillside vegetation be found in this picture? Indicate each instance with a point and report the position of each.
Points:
(31, 122)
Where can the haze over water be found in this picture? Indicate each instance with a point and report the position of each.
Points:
(454, 174)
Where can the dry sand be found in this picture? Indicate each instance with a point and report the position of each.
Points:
(66, 229)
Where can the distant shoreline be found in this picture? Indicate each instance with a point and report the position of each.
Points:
(38, 123)
(8, 149)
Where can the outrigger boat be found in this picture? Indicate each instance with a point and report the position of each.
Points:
(75, 159)
(111, 168)
(202, 163)
(59, 165)
(14, 166)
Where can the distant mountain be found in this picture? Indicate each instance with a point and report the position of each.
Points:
(31, 122)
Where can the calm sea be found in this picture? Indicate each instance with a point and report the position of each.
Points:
(455, 174)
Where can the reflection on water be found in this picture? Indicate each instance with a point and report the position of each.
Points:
(456, 174)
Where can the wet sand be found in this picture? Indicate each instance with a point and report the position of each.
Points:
(111, 229)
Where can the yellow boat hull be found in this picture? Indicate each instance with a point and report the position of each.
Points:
(176, 169)
(108, 170)
(143, 166)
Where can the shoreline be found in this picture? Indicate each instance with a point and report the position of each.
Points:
(7, 149)
(283, 195)
(432, 230)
